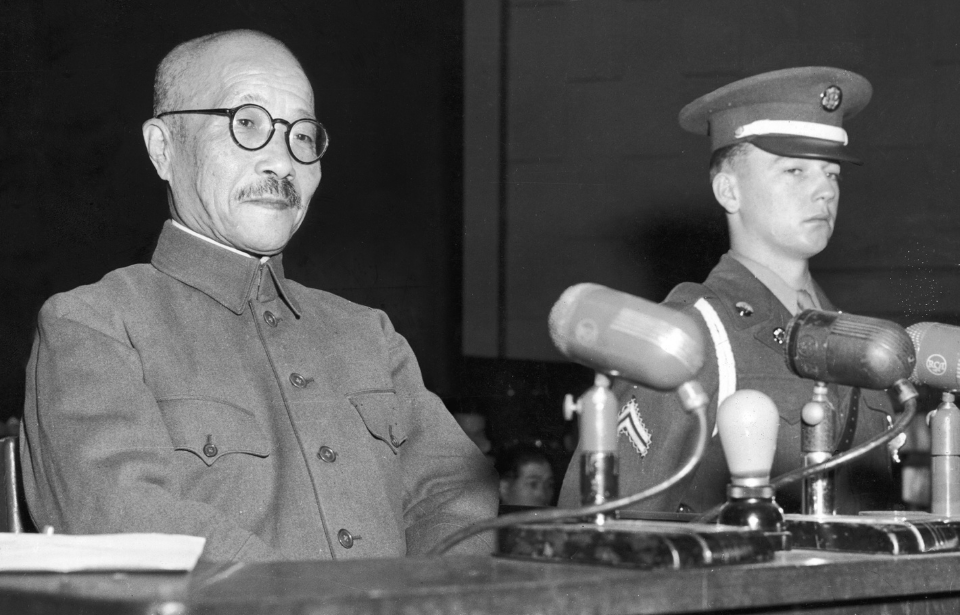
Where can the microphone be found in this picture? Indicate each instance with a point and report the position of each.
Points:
(619, 335)
(625, 336)
(938, 365)
(937, 348)
(856, 351)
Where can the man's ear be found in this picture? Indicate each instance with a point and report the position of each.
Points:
(159, 142)
(726, 191)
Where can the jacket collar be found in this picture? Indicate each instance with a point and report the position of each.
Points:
(228, 278)
(735, 285)
(731, 280)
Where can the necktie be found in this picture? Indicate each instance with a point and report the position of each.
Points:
(805, 301)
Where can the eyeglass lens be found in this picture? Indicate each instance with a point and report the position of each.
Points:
(252, 126)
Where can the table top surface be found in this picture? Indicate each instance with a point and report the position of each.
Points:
(492, 585)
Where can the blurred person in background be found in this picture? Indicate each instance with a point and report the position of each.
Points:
(526, 477)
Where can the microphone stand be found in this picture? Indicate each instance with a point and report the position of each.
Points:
(907, 398)
(817, 437)
(945, 457)
(599, 466)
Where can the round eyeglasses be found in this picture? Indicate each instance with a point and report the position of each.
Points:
(252, 127)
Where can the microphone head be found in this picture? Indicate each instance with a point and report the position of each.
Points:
(937, 347)
(856, 351)
(621, 335)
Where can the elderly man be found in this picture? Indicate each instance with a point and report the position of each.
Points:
(207, 394)
(777, 141)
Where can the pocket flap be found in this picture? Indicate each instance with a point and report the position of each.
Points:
(379, 410)
(211, 429)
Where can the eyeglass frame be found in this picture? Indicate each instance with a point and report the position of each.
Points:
(231, 112)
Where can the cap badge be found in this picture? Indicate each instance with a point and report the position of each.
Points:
(831, 98)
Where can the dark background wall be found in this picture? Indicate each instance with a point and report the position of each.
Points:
(79, 196)
(576, 169)
(600, 184)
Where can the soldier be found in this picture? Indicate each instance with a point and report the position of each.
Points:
(778, 144)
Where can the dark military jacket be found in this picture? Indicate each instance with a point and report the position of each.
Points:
(754, 320)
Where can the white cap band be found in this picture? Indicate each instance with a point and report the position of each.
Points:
(793, 128)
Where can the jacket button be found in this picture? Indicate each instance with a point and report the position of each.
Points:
(270, 319)
(345, 538)
(210, 449)
(297, 380)
(327, 454)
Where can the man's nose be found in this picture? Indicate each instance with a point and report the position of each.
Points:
(275, 156)
(826, 188)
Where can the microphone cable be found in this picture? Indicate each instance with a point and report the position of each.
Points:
(907, 396)
(699, 403)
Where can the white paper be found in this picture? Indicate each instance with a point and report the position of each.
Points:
(104, 552)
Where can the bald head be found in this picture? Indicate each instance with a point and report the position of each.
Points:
(184, 76)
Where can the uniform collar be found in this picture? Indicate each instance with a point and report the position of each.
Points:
(739, 288)
(181, 227)
(750, 304)
(777, 285)
(227, 276)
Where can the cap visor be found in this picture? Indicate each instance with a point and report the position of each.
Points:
(804, 147)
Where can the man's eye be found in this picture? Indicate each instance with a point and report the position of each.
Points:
(246, 125)
(304, 138)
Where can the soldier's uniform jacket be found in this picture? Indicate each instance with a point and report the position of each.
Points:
(206, 394)
(754, 320)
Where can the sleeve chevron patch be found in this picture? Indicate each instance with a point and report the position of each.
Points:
(631, 425)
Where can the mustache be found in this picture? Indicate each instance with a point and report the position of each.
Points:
(272, 187)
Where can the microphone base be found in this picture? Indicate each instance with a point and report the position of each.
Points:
(889, 532)
(645, 545)
(754, 508)
(755, 513)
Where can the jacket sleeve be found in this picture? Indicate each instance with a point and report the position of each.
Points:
(449, 484)
(95, 453)
(669, 439)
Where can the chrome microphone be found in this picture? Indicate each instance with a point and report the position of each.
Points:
(622, 335)
(856, 351)
(938, 365)
(937, 348)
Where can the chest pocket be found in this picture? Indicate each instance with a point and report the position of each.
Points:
(212, 429)
(380, 411)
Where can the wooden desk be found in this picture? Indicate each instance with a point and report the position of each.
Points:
(798, 582)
